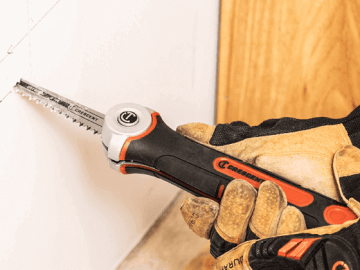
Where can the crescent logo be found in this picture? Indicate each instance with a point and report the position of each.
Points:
(222, 164)
(128, 118)
(237, 170)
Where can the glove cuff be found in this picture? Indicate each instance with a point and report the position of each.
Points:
(238, 131)
(218, 245)
(308, 251)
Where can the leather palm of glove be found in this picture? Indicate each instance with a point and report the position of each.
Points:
(299, 150)
(308, 152)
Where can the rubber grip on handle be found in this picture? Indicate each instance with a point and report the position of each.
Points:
(206, 172)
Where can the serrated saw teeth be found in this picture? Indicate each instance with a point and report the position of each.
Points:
(89, 118)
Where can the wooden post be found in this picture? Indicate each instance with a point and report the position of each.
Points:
(294, 58)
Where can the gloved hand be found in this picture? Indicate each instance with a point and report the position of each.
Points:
(301, 150)
(330, 247)
(335, 247)
(266, 212)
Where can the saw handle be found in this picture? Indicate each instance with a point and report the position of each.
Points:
(206, 172)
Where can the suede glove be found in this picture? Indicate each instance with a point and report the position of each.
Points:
(331, 247)
(302, 151)
(299, 150)
(335, 247)
(265, 211)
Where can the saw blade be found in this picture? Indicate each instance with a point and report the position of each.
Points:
(80, 114)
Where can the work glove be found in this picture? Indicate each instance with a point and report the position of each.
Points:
(303, 151)
(299, 150)
(335, 247)
(265, 212)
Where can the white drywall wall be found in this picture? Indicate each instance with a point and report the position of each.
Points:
(62, 207)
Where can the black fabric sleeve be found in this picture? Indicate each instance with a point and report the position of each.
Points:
(342, 246)
(238, 131)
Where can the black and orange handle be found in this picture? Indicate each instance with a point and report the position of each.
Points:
(206, 172)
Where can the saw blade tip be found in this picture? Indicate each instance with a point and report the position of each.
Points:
(51, 101)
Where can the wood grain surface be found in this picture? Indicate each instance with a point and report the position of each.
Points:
(295, 58)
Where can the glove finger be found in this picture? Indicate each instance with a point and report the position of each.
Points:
(291, 221)
(197, 131)
(235, 211)
(270, 203)
(200, 214)
(346, 166)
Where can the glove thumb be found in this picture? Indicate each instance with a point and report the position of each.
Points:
(346, 166)
(197, 131)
